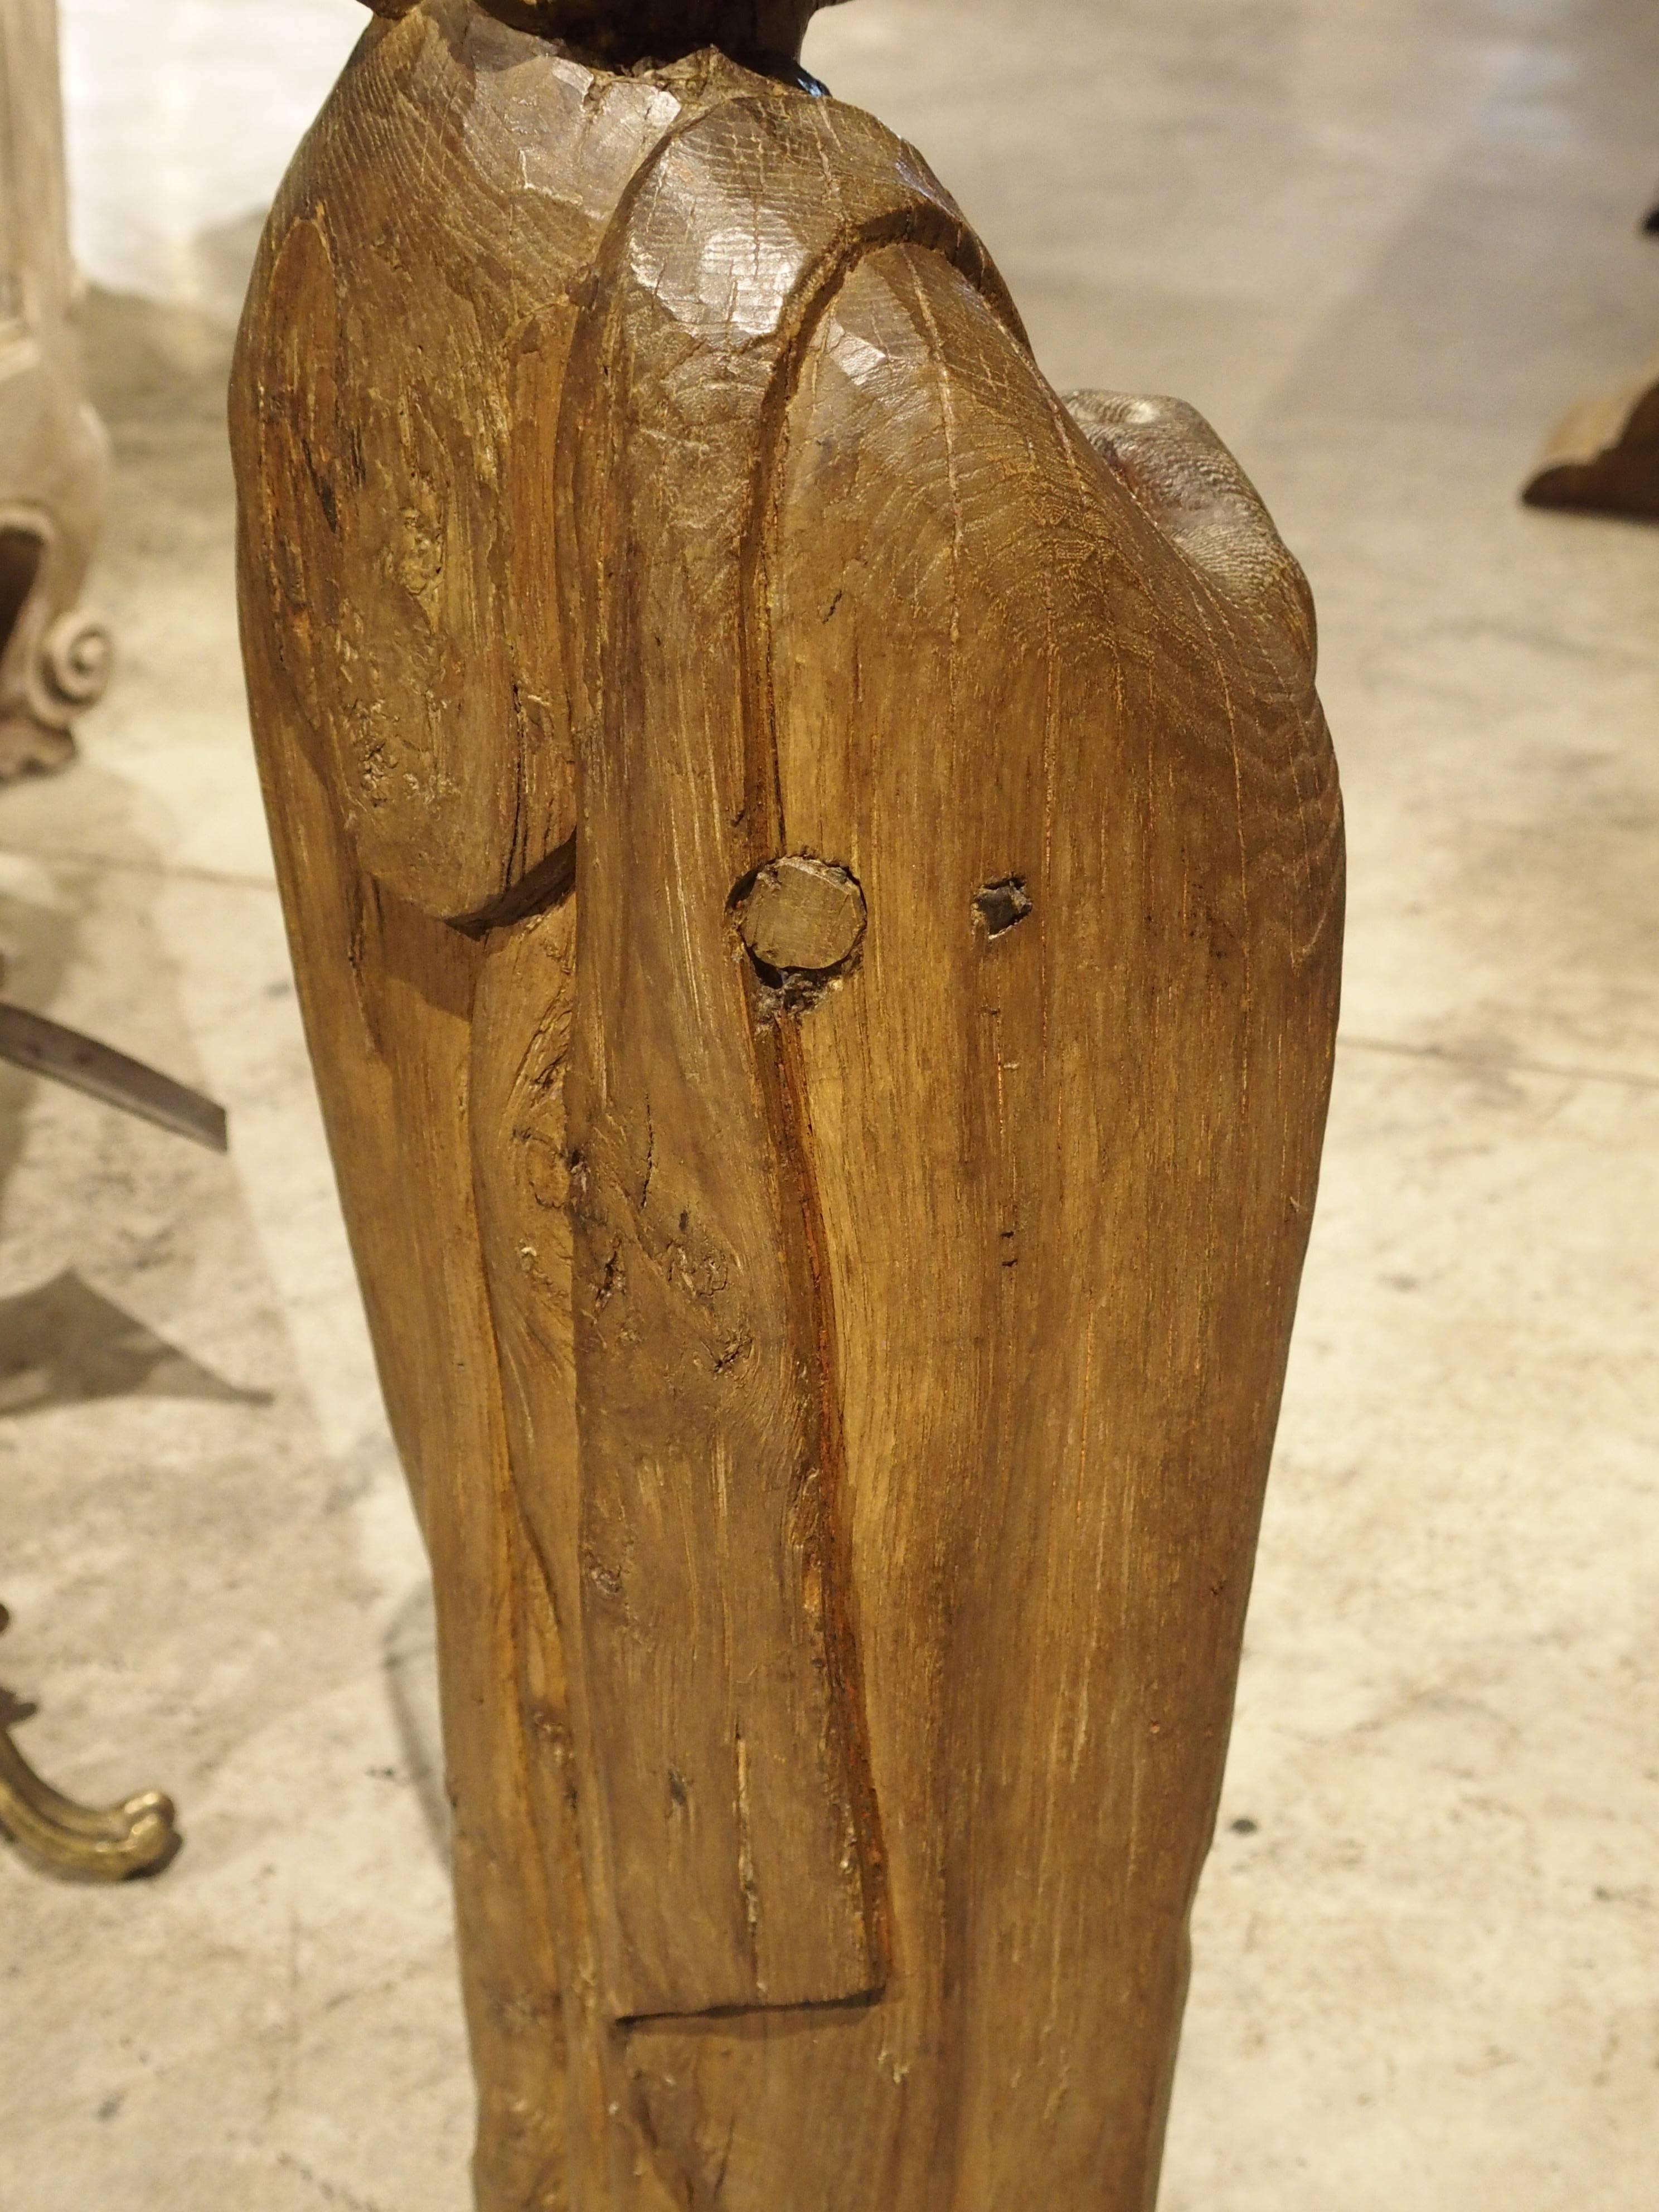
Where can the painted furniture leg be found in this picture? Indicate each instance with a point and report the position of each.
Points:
(54, 656)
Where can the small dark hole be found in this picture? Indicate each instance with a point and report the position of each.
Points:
(788, 990)
(1246, 1826)
(1001, 905)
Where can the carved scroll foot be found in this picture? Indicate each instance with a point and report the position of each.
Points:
(67, 672)
(112, 1843)
(54, 662)
(32, 748)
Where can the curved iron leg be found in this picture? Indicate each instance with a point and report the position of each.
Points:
(111, 1842)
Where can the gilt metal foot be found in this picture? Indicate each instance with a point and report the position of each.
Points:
(112, 1843)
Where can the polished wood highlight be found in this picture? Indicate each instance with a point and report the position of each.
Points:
(814, 876)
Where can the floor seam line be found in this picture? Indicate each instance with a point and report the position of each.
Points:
(1500, 1064)
(182, 872)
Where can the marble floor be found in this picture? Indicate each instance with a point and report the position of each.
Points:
(1382, 243)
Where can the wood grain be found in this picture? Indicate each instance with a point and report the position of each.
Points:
(742, 1833)
(816, 874)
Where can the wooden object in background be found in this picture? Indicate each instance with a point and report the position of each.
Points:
(814, 876)
(54, 656)
(1603, 458)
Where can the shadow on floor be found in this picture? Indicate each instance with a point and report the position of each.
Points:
(64, 1344)
(411, 1659)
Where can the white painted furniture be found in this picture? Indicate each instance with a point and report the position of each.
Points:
(54, 658)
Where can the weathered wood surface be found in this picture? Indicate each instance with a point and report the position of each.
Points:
(54, 656)
(815, 875)
(1603, 457)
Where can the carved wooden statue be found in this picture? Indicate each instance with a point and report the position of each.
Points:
(815, 875)
(54, 656)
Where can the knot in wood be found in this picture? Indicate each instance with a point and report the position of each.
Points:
(801, 916)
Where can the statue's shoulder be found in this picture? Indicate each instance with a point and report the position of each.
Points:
(449, 129)
(960, 562)
(760, 201)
